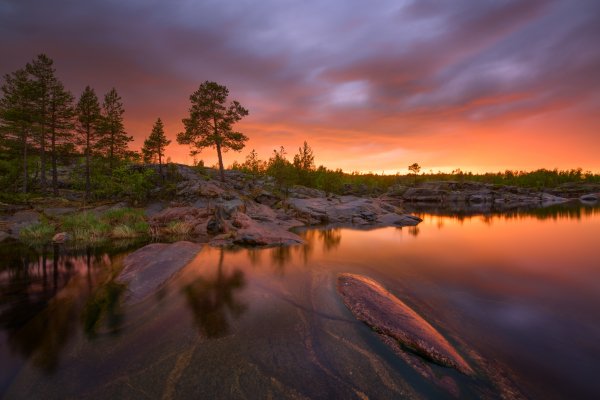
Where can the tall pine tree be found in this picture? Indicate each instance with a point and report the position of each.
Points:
(155, 144)
(113, 140)
(88, 121)
(211, 120)
(17, 115)
(43, 80)
(60, 125)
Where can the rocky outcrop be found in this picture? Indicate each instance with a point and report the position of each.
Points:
(475, 195)
(148, 268)
(391, 318)
(348, 210)
(590, 198)
(20, 220)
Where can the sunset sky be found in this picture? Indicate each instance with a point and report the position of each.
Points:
(375, 85)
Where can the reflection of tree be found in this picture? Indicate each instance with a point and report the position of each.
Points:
(280, 256)
(42, 294)
(212, 300)
(104, 304)
(331, 238)
(414, 230)
(254, 256)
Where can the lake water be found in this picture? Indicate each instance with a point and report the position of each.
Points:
(518, 295)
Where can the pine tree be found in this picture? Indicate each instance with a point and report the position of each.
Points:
(113, 140)
(17, 111)
(211, 120)
(304, 162)
(88, 121)
(43, 79)
(155, 144)
(60, 125)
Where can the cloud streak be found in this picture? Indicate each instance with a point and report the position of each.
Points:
(340, 73)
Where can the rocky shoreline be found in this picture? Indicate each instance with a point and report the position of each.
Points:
(253, 211)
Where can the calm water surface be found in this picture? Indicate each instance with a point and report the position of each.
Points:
(520, 291)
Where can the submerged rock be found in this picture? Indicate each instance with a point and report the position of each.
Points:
(151, 266)
(390, 317)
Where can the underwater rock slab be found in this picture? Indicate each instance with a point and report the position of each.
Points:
(392, 318)
(148, 268)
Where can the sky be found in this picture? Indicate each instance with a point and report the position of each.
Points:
(376, 85)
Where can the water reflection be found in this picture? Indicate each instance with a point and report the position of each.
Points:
(47, 293)
(462, 213)
(213, 300)
(280, 256)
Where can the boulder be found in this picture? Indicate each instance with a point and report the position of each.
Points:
(393, 319)
(4, 236)
(549, 199)
(349, 210)
(590, 198)
(217, 222)
(147, 269)
(22, 219)
(264, 234)
(425, 195)
(60, 237)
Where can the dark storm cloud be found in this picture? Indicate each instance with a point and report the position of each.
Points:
(316, 62)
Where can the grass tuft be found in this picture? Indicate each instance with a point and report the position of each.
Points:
(37, 233)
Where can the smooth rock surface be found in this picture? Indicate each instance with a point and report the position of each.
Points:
(350, 210)
(148, 268)
(389, 316)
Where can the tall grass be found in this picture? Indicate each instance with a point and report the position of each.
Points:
(178, 228)
(118, 223)
(85, 226)
(37, 233)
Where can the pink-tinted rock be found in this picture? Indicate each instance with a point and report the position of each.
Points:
(148, 268)
(389, 316)
(187, 214)
(60, 237)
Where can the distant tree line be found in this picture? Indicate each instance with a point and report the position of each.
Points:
(302, 171)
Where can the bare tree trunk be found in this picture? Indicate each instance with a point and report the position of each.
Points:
(87, 163)
(54, 167)
(221, 169)
(43, 157)
(160, 171)
(112, 152)
(25, 174)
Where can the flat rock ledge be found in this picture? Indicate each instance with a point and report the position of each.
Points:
(390, 317)
(147, 269)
